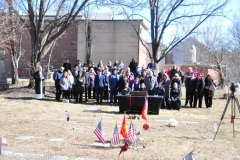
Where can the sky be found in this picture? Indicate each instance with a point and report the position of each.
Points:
(233, 7)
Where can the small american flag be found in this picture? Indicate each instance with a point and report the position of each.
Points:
(189, 156)
(131, 133)
(99, 133)
(115, 139)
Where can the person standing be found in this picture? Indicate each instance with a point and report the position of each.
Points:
(91, 84)
(208, 94)
(57, 77)
(133, 66)
(99, 83)
(199, 87)
(67, 65)
(109, 66)
(71, 81)
(113, 84)
(186, 81)
(152, 66)
(120, 65)
(80, 87)
(122, 82)
(151, 83)
(65, 86)
(191, 89)
(165, 83)
(39, 84)
(180, 73)
(173, 72)
(86, 82)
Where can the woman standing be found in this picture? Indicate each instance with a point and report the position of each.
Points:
(133, 65)
(122, 82)
(165, 83)
(199, 87)
(208, 94)
(91, 85)
(80, 86)
(65, 86)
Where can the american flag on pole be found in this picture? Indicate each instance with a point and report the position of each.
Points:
(99, 132)
(131, 133)
(115, 139)
(189, 156)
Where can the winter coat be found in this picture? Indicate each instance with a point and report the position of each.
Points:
(175, 93)
(150, 83)
(65, 84)
(160, 91)
(91, 80)
(207, 92)
(122, 82)
(80, 84)
(166, 84)
(57, 76)
(113, 81)
(199, 85)
(133, 66)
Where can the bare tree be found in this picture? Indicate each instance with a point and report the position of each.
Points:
(217, 52)
(45, 31)
(173, 21)
(11, 34)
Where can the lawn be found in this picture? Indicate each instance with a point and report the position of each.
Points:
(22, 115)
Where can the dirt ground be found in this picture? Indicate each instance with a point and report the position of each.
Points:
(22, 115)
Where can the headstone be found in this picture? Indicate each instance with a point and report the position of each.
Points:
(56, 140)
(24, 137)
(93, 110)
(2, 142)
(187, 122)
(3, 75)
(80, 158)
(59, 158)
(106, 145)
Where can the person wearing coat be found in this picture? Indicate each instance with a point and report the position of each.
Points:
(113, 84)
(99, 84)
(208, 94)
(67, 65)
(65, 86)
(191, 89)
(176, 79)
(160, 91)
(91, 84)
(152, 66)
(87, 82)
(151, 83)
(199, 87)
(175, 97)
(133, 65)
(122, 82)
(79, 87)
(57, 77)
(165, 83)
(39, 84)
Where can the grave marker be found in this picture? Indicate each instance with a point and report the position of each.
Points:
(2, 142)
(3, 75)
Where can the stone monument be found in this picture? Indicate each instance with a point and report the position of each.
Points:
(3, 75)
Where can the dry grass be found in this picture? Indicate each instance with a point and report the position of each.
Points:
(21, 114)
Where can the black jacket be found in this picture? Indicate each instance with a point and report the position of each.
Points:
(67, 66)
(199, 85)
(175, 93)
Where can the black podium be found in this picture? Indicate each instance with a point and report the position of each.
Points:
(135, 103)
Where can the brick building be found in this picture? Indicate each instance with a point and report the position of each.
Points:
(112, 40)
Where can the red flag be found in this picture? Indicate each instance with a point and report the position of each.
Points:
(115, 139)
(131, 133)
(124, 128)
(145, 110)
(99, 133)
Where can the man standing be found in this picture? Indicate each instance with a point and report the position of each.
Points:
(57, 77)
(67, 65)
(113, 83)
(152, 66)
(39, 84)
(87, 82)
(150, 83)
(187, 77)
(191, 90)
(99, 83)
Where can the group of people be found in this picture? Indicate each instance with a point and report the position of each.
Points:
(105, 82)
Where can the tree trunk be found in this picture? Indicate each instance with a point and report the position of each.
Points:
(88, 35)
(14, 69)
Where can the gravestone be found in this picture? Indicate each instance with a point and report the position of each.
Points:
(3, 75)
